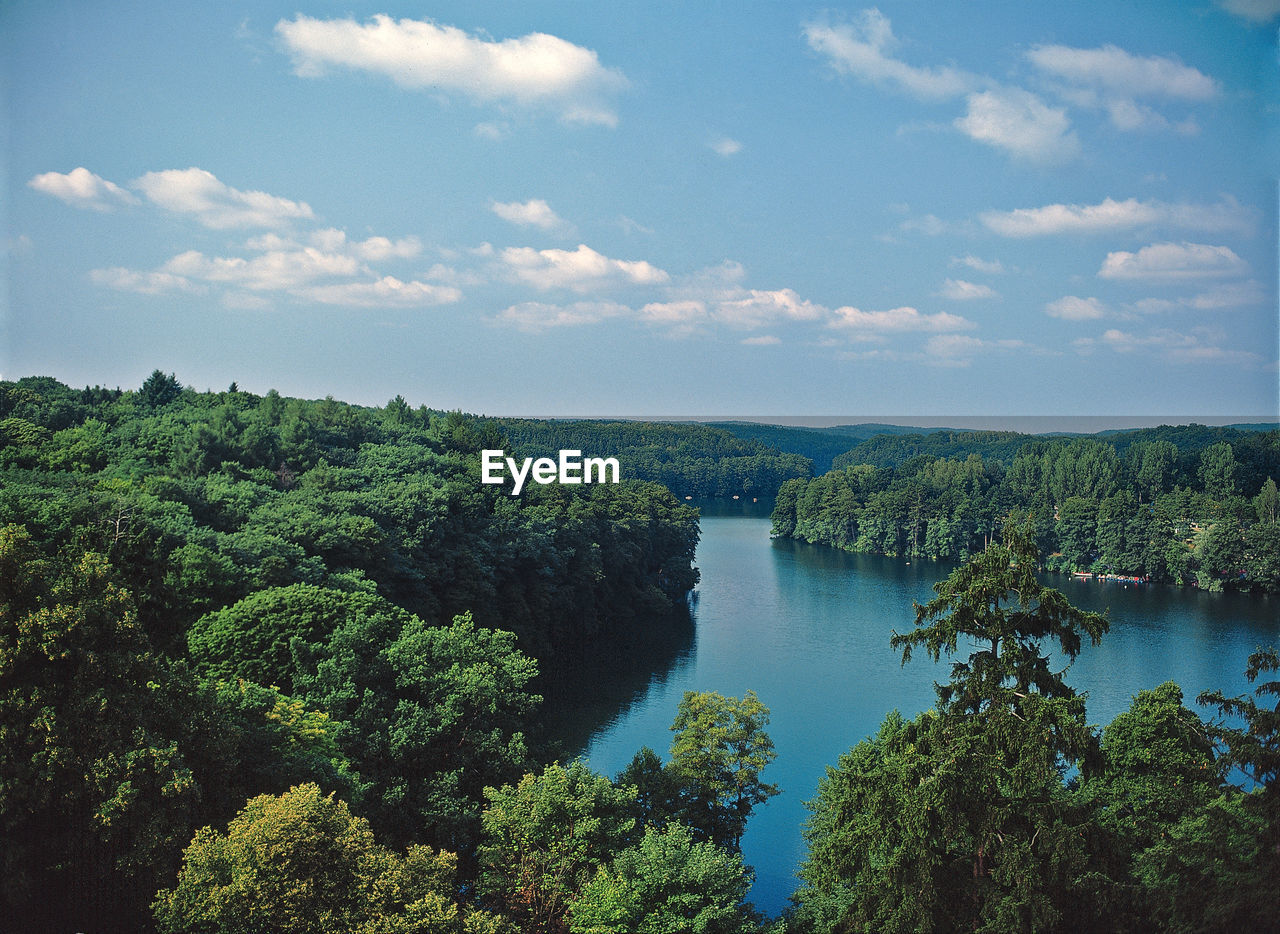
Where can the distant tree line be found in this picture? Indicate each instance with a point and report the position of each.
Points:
(690, 459)
(1206, 513)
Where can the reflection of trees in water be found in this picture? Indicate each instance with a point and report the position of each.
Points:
(587, 687)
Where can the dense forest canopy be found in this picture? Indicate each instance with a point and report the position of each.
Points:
(690, 459)
(1186, 504)
(271, 665)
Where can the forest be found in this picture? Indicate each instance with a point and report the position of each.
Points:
(272, 665)
(690, 459)
(1188, 505)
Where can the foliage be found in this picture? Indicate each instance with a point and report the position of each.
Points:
(688, 459)
(254, 638)
(719, 750)
(300, 862)
(545, 838)
(959, 819)
(668, 884)
(429, 715)
(92, 778)
(1167, 504)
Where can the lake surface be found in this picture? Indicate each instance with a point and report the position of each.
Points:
(807, 628)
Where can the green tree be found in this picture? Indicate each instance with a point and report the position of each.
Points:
(658, 789)
(668, 884)
(719, 750)
(959, 819)
(1218, 469)
(430, 716)
(1156, 767)
(544, 839)
(254, 638)
(995, 601)
(158, 390)
(1267, 503)
(93, 782)
(301, 863)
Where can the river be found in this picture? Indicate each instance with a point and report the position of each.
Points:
(807, 628)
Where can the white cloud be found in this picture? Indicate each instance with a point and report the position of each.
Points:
(677, 313)
(990, 267)
(145, 283)
(762, 340)
(1228, 295)
(1256, 11)
(929, 224)
(271, 271)
(215, 205)
(387, 292)
(958, 350)
(959, 290)
(1116, 215)
(862, 48)
(537, 316)
(534, 69)
(492, 131)
(1020, 123)
(580, 270)
(82, 188)
(897, 320)
(1114, 70)
(1172, 262)
(333, 240)
(1073, 308)
(1111, 79)
(532, 213)
(758, 308)
(724, 146)
(1199, 347)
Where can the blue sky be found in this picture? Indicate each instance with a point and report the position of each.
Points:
(650, 208)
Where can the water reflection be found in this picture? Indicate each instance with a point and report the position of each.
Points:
(807, 628)
(588, 689)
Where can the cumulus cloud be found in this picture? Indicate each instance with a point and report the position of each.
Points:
(1020, 123)
(1172, 262)
(387, 292)
(270, 271)
(536, 69)
(959, 290)
(761, 307)
(896, 320)
(1112, 215)
(1201, 346)
(1074, 308)
(685, 312)
(990, 267)
(959, 349)
(1111, 79)
(538, 316)
(532, 213)
(1114, 70)
(82, 188)
(580, 270)
(213, 204)
(144, 283)
(862, 48)
(333, 240)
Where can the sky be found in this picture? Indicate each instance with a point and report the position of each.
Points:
(650, 208)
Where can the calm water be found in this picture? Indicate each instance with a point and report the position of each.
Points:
(807, 628)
